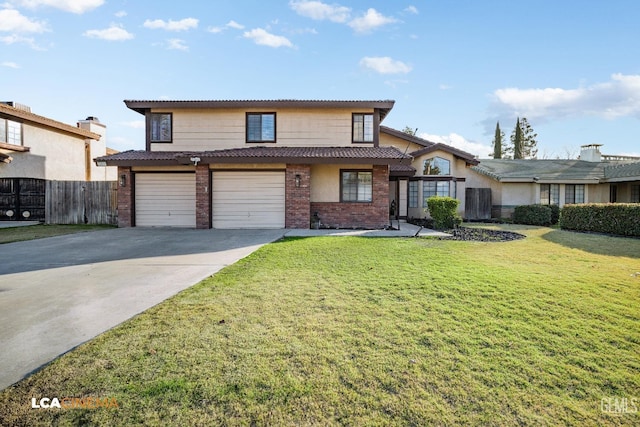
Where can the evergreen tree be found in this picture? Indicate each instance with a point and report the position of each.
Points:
(497, 142)
(516, 141)
(529, 140)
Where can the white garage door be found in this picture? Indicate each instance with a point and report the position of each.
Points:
(248, 199)
(165, 199)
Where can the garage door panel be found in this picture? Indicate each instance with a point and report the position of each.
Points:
(165, 200)
(248, 200)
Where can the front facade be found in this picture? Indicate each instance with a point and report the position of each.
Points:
(35, 149)
(258, 164)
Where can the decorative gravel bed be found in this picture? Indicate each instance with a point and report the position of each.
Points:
(482, 235)
(472, 234)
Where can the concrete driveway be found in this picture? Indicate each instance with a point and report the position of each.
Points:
(59, 292)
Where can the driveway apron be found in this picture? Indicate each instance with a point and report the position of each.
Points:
(59, 292)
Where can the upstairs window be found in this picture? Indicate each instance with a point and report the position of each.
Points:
(10, 132)
(160, 127)
(356, 186)
(437, 166)
(362, 127)
(261, 127)
(574, 193)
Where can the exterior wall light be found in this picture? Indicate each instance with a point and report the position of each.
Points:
(123, 180)
(298, 180)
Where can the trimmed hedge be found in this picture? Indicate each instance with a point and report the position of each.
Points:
(532, 215)
(443, 210)
(611, 218)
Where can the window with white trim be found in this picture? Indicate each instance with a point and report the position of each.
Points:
(10, 132)
(356, 186)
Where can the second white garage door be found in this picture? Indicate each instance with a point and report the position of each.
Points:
(248, 199)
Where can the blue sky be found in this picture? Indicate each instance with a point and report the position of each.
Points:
(454, 67)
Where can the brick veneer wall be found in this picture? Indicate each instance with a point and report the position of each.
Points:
(359, 215)
(297, 199)
(203, 197)
(125, 198)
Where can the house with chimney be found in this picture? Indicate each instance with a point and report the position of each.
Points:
(35, 149)
(592, 178)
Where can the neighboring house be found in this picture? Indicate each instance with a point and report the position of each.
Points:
(594, 178)
(435, 170)
(35, 149)
(260, 164)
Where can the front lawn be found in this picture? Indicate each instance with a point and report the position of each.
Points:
(365, 331)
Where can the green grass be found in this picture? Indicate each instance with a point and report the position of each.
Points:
(356, 331)
(31, 232)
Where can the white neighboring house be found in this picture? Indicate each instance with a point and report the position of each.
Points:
(35, 149)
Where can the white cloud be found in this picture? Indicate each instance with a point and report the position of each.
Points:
(113, 33)
(177, 44)
(10, 64)
(14, 38)
(262, 37)
(121, 14)
(370, 21)
(74, 6)
(234, 24)
(445, 87)
(171, 25)
(618, 97)
(231, 24)
(412, 9)
(385, 65)
(13, 21)
(461, 143)
(321, 11)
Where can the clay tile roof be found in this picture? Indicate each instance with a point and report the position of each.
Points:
(315, 155)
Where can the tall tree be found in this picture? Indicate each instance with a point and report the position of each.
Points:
(516, 141)
(529, 140)
(497, 142)
(524, 142)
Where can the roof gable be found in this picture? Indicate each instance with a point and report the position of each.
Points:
(9, 112)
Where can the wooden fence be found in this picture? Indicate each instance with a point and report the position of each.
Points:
(477, 203)
(81, 202)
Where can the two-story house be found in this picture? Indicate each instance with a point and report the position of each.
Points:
(258, 164)
(35, 149)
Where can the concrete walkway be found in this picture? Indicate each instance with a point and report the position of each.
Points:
(406, 230)
(9, 224)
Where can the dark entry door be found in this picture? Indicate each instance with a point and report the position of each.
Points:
(22, 199)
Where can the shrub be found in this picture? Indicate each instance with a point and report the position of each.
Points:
(443, 210)
(555, 214)
(611, 218)
(532, 215)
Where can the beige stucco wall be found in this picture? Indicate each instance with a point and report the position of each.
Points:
(98, 148)
(403, 146)
(200, 130)
(53, 156)
(325, 181)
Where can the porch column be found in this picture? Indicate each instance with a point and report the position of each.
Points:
(298, 196)
(125, 197)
